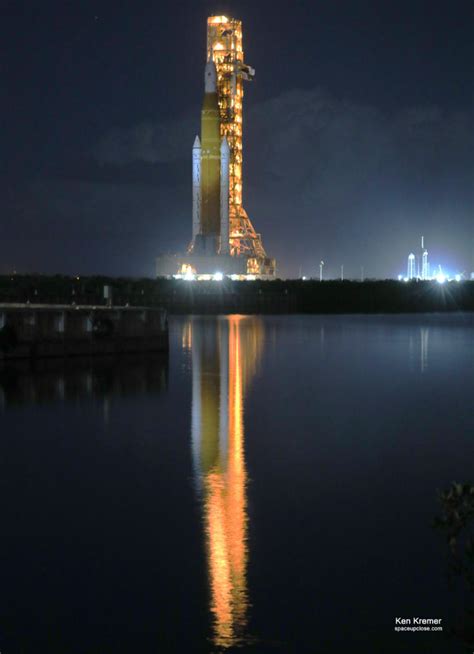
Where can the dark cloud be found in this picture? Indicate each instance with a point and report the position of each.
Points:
(330, 138)
(331, 178)
(151, 143)
(323, 178)
(353, 179)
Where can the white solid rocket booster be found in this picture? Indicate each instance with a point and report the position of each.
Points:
(196, 187)
(224, 196)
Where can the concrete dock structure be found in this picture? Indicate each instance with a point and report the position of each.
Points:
(46, 330)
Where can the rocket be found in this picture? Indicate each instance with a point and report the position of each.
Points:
(211, 158)
(224, 193)
(210, 154)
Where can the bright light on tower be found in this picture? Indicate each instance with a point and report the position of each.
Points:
(224, 47)
(440, 278)
(215, 20)
(411, 266)
(425, 266)
(218, 277)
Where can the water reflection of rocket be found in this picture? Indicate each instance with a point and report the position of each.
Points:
(224, 354)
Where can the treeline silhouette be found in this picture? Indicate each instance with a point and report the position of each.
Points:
(278, 296)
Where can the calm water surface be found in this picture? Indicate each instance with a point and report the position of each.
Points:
(269, 487)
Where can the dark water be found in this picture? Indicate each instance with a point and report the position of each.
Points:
(271, 487)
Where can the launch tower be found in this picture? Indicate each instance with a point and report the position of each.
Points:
(224, 47)
(223, 237)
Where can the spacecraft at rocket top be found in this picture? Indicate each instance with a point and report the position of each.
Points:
(210, 79)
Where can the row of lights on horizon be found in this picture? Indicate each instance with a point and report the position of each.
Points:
(189, 276)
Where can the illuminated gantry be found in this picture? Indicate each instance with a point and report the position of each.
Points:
(224, 46)
(225, 353)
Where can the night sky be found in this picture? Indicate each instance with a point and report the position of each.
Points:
(358, 132)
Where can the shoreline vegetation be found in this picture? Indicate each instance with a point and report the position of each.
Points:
(246, 297)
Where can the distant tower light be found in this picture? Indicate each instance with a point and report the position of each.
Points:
(411, 266)
(425, 268)
(321, 265)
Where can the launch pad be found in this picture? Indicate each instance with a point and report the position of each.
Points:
(224, 241)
